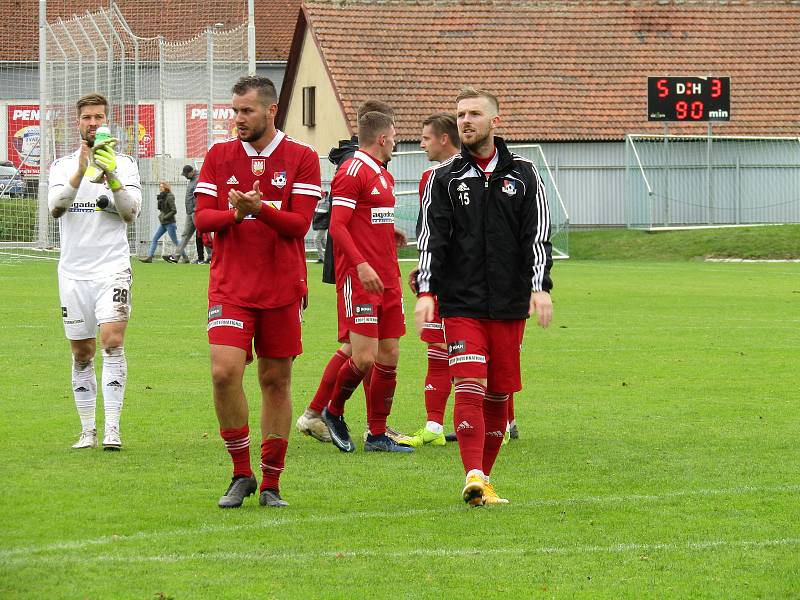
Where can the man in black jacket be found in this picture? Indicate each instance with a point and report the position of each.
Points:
(485, 253)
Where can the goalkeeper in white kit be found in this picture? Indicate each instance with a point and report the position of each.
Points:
(94, 193)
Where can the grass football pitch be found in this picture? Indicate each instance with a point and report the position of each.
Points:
(658, 455)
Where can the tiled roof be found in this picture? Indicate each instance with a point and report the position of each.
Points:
(570, 70)
(174, 19)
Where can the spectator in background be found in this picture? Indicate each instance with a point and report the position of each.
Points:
(166, 218)
(320, 223)
(189, 227)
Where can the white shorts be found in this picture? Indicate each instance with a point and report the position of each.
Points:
(87, 304)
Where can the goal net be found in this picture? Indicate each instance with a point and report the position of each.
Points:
(674, 181)
(161, 90)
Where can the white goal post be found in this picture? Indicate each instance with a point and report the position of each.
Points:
(683, 181)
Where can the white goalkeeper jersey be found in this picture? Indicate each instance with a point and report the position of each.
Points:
(94, 243)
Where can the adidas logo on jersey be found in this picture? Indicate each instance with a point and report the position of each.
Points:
(232, 180)
(462, 187)
(375, 192)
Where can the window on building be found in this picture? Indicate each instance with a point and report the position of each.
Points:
(309, 112)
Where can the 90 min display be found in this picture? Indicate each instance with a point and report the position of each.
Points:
(688, 99)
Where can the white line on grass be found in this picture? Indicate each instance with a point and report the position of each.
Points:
(348, 516)
(283, 555)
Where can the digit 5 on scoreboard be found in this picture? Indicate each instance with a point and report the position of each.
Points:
(688, 99)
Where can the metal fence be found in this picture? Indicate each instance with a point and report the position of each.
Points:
(169, 101)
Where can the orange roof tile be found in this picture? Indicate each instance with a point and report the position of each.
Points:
(570, 70)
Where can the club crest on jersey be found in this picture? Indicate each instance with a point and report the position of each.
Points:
(279, 179)
(258, 166)
(509, 187)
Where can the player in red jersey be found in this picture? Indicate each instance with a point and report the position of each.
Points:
(257, 193)
(311, 422)
(440, 142)
(369, 294)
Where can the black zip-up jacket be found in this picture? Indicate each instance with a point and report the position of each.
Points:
(485, 244)
(337, 156)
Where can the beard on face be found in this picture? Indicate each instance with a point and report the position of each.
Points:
(86, 138)
(255, 133)
(477, 141)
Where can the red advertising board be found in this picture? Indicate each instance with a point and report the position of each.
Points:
(23, 137)
(23, 134)
(197, 127)
(145, 131)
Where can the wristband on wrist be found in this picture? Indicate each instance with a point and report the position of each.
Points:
(114, 183)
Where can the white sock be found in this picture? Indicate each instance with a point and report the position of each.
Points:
(434, 427)
(115, 374)
(84, 388)
(477, 472)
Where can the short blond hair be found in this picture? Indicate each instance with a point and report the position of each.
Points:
(469, 92)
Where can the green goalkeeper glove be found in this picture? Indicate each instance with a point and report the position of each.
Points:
(106, 158)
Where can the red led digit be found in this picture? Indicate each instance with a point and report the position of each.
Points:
(663, 90)
(696, 110)
(716, 88)
(681, 109)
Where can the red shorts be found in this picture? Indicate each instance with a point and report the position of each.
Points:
(485, 349)
(276, 331)
(432, 332)
(371, 315)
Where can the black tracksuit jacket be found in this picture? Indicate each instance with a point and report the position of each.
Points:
(485, 244)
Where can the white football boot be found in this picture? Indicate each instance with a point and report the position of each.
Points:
(311, 423)
(88, 439)
(111, 439)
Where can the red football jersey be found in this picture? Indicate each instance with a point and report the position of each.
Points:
(423, 181)
(362, 193)
(252, 264)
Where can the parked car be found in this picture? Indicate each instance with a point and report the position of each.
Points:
(11, 183)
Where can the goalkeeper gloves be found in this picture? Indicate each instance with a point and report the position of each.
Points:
(106, 159)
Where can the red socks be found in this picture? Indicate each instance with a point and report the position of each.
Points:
(468, 423)
(325, 389)
(511, 408)
(495, 417)
(237, 442)
(347, 380)
(437, 384)
(381, 394)
(273, 458)
(273, 455)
